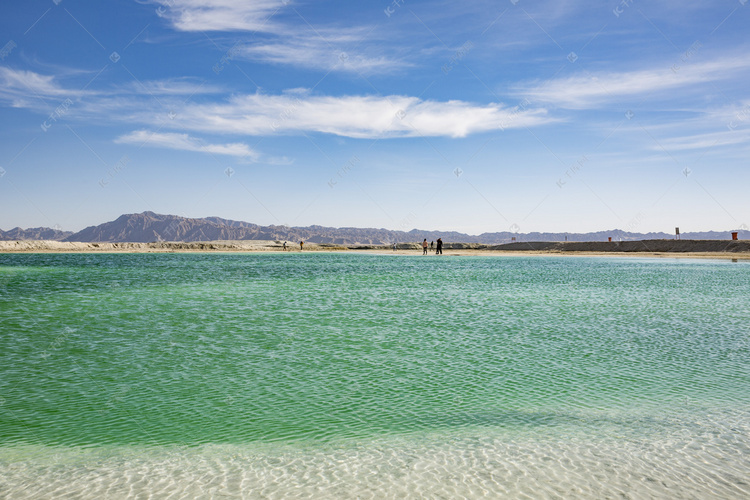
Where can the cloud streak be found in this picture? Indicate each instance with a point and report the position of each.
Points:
(294, 112)
(220, 15)
(316, 53)
(363, 117)
(184, 142)
(595, 89)
(721, 139)
(321, 48)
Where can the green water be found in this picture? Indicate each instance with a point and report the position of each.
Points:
(334, 352)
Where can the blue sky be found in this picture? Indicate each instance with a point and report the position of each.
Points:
(471, 116)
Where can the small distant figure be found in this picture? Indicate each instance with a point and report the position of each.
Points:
(301, 244)
(432, 243)
(394, 246)
(439, 250)
(424, 247)
(285, 246)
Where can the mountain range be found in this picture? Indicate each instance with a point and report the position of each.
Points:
(149, 226)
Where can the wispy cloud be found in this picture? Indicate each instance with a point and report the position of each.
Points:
(220, 15)
(584, 91)
(292, 42)
(293, 112)
(708, 140)
(172, 87)
(353, 116)
(184, 142)
(321, 54)
(20, 87)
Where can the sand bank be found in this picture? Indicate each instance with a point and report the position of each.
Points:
(711, 249)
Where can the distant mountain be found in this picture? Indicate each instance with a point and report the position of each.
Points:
(34, 233)
(149, 226)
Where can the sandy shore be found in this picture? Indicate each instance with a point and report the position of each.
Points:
(657, 248)
(42, 246)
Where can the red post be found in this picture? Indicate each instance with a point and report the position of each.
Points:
(734, 235)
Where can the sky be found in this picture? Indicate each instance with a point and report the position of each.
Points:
(481, 116)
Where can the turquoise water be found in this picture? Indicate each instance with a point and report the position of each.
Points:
(345, 376)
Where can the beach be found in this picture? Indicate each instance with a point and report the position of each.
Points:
(698, 249)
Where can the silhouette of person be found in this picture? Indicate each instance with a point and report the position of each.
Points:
(285, 246)
(431, 244)
(300, 244)
(424, 247)
(439, 250)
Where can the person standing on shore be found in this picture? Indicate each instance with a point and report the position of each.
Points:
(424, 247)
(300, 245)
(439, 250)
(432, 243)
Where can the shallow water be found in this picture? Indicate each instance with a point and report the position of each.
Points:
(287, 375)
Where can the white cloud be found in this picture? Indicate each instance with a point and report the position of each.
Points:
(220, 15)
(28, 89)
(592, 90)
(322, 48)
(295, 111)
(352, 116)
(316, 53)
(708, 140)
(184, 142)
(173, 86)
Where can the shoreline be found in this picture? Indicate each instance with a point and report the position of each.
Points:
(696, 249)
